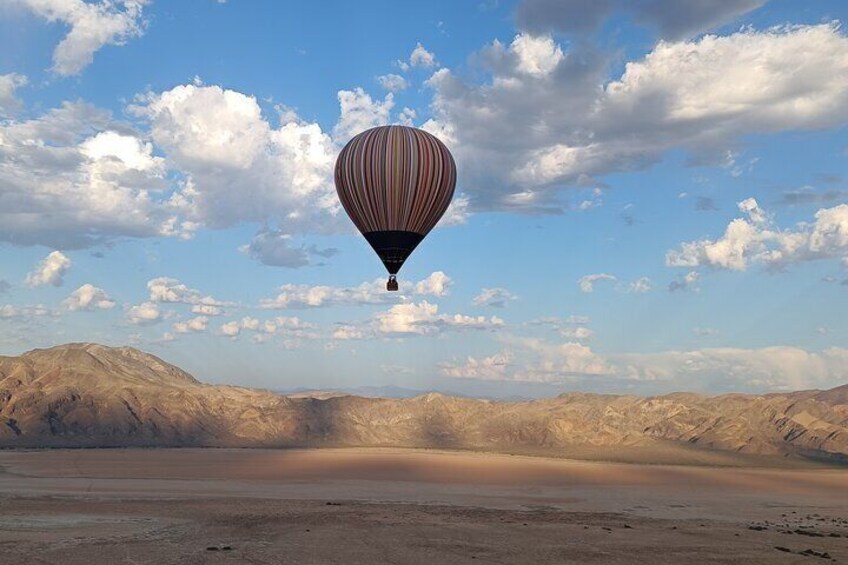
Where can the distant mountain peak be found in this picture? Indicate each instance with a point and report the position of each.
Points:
(85, 358)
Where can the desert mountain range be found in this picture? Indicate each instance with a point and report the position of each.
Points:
(89, 395)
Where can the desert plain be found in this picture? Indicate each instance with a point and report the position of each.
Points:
(384, 505)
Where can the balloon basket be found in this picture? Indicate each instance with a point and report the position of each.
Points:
(392, 285)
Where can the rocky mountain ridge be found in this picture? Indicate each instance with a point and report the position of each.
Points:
(90, 395)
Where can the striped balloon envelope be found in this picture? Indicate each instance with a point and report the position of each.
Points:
(395, 183)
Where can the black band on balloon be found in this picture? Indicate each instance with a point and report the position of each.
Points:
(393, 247)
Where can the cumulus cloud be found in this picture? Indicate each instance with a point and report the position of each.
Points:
(540, 361)
(640, 285)
(22, 312)
(207, 309)
(306, 296)
(274, 248)
(754, 239)
(493, 297)
(672, 19)
(536, 56)
(50, 271)
(579, 333)
(360, 112)
(768, 368)
(236, 166)
(89, 298)
(168, 290)
(492, 368)
(587, 282)
(196, 325)
(9, 104)
(73, 178)
(208, 159)
(144, 313)
(709, 369)
(436, 284)
(424, 319)
(559, 117)
(92, 25)
(420, 57)
(457, 212)
(348, 331)
(292, 329)
(393, 82)
(230, 329)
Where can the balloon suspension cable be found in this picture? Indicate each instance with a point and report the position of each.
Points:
(392, 285)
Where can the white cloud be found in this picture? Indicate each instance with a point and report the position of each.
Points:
(283, 323)
(73, 178)
(219, 140)
(457, 212)
(407, 116)
(306, 296)
(196, 324)
(207, 309)
(755, 240)
(710, 369)
(22, 312)
(88, 297)
(493, 368)
(556, 362)
(50, 271)
(424, 319)
(558, 323)
(230, 329)
(347, 332)
(393, 82)
(436, 284)
(541, 122)
(420, 57)
(9, 104)
(579, 333)
(640, 285)
(292, 328)
(130, 151)
(536, 56)
(168, 290)
(493, 297)
(587, 282)
(360, 112)
(768, 368)
(144, 313)
(92, 25)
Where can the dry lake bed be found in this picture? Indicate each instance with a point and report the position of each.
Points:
(343, 506)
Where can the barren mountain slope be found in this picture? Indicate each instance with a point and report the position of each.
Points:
(92, 395)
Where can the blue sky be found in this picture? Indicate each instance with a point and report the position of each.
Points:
(652, 196)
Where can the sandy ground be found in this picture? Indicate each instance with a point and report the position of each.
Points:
(406, 506)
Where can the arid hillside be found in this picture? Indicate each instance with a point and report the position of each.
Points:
(89, 395)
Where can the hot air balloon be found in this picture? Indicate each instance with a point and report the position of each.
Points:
(395, 183)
